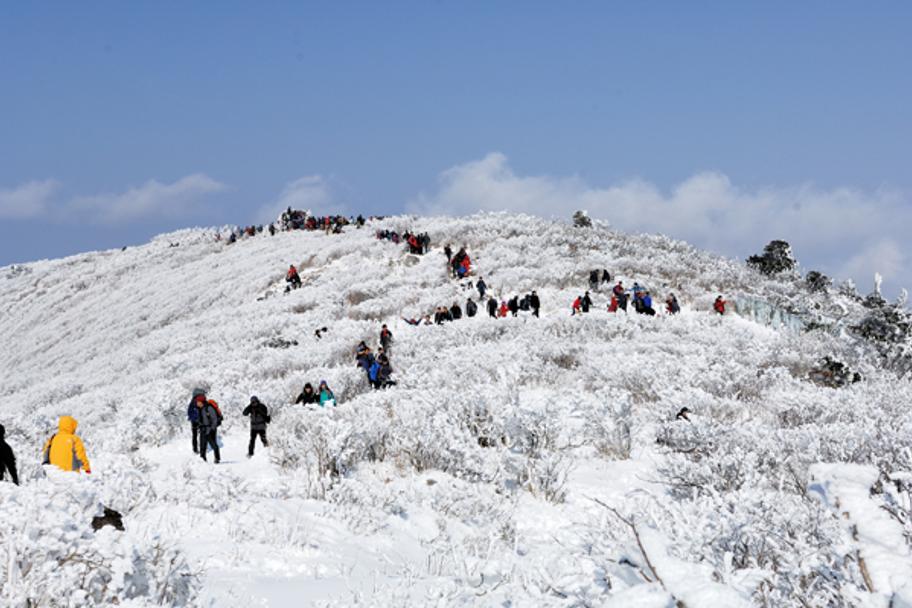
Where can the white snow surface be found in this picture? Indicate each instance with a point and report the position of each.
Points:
(518, 461)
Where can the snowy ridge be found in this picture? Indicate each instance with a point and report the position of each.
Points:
(483, 476)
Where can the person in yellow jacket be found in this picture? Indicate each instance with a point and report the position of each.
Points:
(65, 450)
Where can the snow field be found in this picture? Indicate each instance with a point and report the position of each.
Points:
(529, 461)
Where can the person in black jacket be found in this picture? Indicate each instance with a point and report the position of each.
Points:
(471, 308)
(513, 305)
(307, 395)
(386, 338)
(586, 302)
(534, 303)
(455, 311)
(492, 307)
(481, 286)
(208, 428)
(259, 418)
(7, 458)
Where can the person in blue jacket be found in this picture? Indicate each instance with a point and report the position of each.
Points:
(193, 416)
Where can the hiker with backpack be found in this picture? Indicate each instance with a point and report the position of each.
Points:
(646, 304)
(7, 458)
(364, 357)
(292, 277)
(593, 279)
(455, 311)
(65, 449)
(307, 395)
(492, 307)
(513, 305)
(210, 418)
(259, 418)
(471, 308)
(534, 303)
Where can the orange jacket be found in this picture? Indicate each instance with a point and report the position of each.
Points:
(65, 450)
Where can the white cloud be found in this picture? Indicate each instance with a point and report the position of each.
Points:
(311, 192)
(29, 200)
(152, 199)
(840, 231)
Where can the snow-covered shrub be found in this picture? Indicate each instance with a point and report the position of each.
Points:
(581, 219)
(776, 258)
(817, 281)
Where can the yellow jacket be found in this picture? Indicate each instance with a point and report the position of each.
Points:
(65, 450)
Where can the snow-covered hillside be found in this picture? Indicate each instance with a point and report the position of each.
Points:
(519, 461)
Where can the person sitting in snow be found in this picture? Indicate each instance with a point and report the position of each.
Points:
(259, 418)
(65, 450)
(326, 395)
(307, 395)
(292, 278)
(719, 305)
(7, 458)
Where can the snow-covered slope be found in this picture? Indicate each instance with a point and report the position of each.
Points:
(522, 460)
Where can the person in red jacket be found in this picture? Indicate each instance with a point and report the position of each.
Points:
(577, 303)
(292, 277)
(504, 309)
(719, 305)
(613, 306)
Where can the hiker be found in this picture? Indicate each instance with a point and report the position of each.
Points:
(586, 302)
(448, 252)
(636, 289)
(481, 286)
(613, 305)
(259, 418)
(209, 420)
(272, 229)
(465, 266)
(193, 416)
(593, 279)
(513, 305)
(364, 357)
(576, 306)
(534, 303)
(618, 290)
(7, 458)
(524, 303)
(492, 307)
(455, 311)
(386, 338)
(65, 450)
(471, 308)
(646, 303)
(622, 301)
(504, 309)
(682, 414)
(671, 305)
(606, 278)
(318, 333)
(719, 305)
(380, 373)
(292, 278)
(307, 395)
(326, 395)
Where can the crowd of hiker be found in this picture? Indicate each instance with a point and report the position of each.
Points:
(295, 219)
(418, 244)
(377, 366)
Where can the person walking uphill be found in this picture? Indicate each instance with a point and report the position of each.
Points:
(209, 421)
(259, 418)
(65, 450)
(719, 305)
(7, 458)
(193, 417)
(386, 338)
(492, 307)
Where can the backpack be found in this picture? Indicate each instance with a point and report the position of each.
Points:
(46, 457)
(218, 412)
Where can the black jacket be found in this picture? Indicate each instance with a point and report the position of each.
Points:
(7, 458)
(471, 308)
(306, 397)
(492, 307)
(259, 415)
(456, 312)
(534, 302)
(586, 303)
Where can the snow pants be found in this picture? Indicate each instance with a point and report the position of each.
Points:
(253, 436)
(207, 438)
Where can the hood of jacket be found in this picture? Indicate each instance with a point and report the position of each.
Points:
(67, 425)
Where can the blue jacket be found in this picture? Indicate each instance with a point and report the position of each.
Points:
(193, 412)
(647, 301)
(373, 371)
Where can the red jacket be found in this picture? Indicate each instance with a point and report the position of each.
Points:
(719, 306)
(576, 304)
(292, 272)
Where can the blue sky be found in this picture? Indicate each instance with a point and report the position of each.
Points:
(123, 120)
